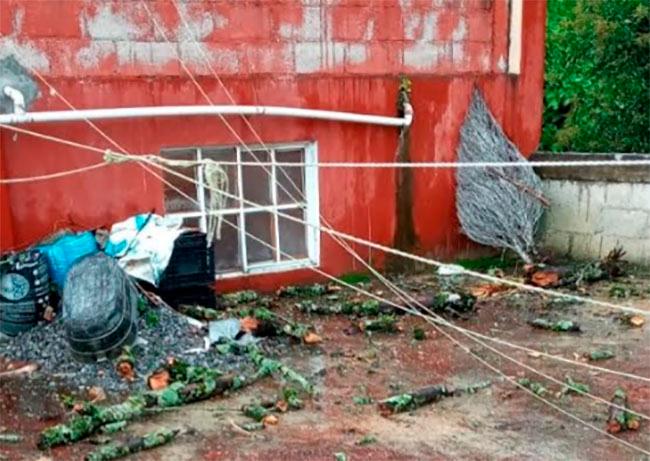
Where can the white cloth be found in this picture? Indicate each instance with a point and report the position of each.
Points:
(143, 245)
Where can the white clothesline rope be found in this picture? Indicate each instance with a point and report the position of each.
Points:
(188, 163)
(496, 340)
(152, 160)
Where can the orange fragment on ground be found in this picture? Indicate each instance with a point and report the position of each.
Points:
(159, 379)
(545, 278)
(312, 338)
(248, 324)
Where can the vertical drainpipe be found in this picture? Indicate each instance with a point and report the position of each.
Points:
(404, 236)
(6, 220)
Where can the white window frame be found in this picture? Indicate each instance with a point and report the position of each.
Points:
(311, 206)
(515, 36)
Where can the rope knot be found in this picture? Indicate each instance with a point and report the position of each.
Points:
(114, 157)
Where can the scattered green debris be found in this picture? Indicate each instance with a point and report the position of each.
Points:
(621, 292)
(573, 386)
(620, 419)
(133, 445)
(362, 400)
(368, 307)
(340, 456)
(267, 367)
(254, 411)
(452, 302)
(419, 334)
(559, 325)
(291, 396)
(366, 440)
(112, 428)
(385, 323)
(608, 268)
(8, 437)
(198, 312)
(252, 426)
(67, 401)
(239, 297)
(355, 278)
(191, 384)
(273, 323)
(304, 291)
(151, 318)
(600, 354)
(534, 386)
(412, 400)
(143, 305)
(149, 313)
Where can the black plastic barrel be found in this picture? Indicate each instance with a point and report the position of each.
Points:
(99, 308)
(24, 291)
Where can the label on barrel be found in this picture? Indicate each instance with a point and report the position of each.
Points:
(14, 287)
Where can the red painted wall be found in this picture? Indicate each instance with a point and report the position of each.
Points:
(345, 56)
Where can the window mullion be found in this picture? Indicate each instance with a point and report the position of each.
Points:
(201, 192)
(242, 221)
(274, 198)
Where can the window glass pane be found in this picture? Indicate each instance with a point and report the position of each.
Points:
(223, 155)
(175, 202)
(260, 225)
(255, 179)
(290, 181)
(227, 254)
(292, 235)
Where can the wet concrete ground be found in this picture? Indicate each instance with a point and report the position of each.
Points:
(500, 422)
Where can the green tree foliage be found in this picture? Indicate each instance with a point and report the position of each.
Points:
(597, 95)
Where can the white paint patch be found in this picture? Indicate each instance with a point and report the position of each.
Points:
(430, 27)
(502, 65)
(335, 53)
(411, 23)
(199, 26)
(370, 30)
(356, 53)
(145, 53)
(109, 25)
(308, 57)
(423, 55)
(222, 61)
(25, 53)
(311, 28)
(460, 32)
(458, 52)
(91, 55)
(17, 20)
(485, 61)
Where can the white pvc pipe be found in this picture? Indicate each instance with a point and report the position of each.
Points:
(17, 98)
(175, 111)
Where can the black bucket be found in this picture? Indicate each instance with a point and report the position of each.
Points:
(99, 308)
(24, 291)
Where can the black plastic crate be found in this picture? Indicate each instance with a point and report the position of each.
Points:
(191, 263)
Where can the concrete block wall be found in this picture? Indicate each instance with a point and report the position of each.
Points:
(594, 211)
(105, 38)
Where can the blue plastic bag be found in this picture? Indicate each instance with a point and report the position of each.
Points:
(65, 251)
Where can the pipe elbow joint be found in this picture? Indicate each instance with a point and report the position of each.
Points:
(17, 98)
(408, 114)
